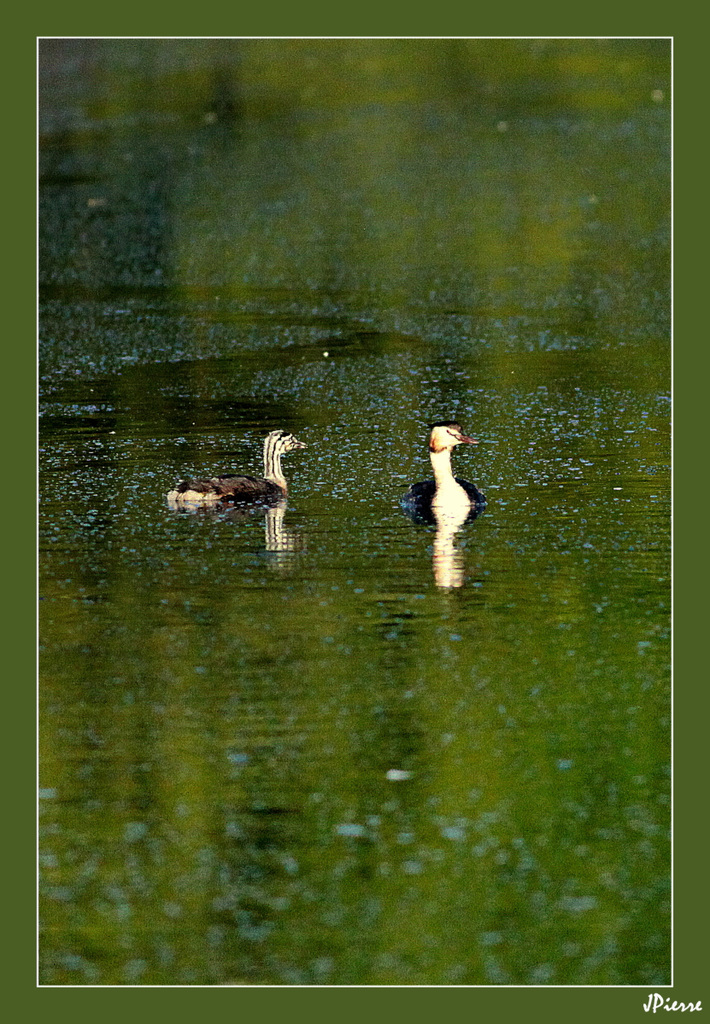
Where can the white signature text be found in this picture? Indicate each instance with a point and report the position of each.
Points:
(656, 1001)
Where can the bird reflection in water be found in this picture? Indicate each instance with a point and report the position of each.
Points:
(281, 544)
(448, 560)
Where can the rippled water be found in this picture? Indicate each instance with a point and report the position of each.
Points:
(325, 744)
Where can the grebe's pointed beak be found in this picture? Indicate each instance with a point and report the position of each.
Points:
(464, 439)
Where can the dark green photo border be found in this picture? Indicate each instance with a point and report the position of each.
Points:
(603, 1005)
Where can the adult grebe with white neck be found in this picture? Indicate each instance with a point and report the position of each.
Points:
(447, 493)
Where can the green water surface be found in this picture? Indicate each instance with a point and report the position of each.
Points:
(307, 747)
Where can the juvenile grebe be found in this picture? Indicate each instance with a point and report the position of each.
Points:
(445, 491)
(270, 488)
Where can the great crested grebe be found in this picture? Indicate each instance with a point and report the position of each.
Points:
(445, 492)
(270, 488)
